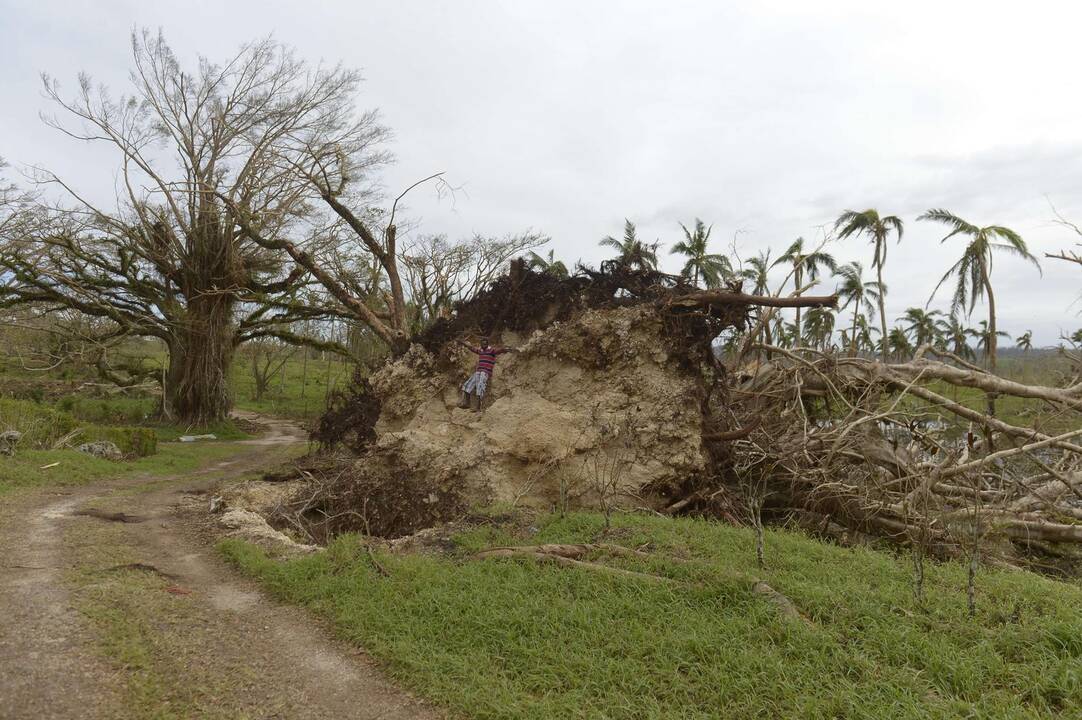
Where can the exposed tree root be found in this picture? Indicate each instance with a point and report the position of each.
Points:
(569, 555)
(568, 562)
(781, 603)
(120, 517)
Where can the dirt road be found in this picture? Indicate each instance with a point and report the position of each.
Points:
(102, 618)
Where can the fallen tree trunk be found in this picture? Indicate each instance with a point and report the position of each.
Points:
(725, 297)
(932, 370)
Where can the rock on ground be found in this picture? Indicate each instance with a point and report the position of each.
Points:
(8, 440)
(102, 449)
(252, 527)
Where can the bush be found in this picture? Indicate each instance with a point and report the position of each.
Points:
(132, 441)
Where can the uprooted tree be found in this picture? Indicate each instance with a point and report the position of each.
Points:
(169, 259)
(620, 369)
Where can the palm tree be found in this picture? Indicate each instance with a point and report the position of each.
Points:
(757, 271)
(922, 326)
(878, 228)
(549, 264)
(819, 327)
(1025, 341)
(633, 252)
(955, 335)
(812, 263)
(986, 339)
(785, 332)
(864, 334)
(854, 290)
(974, 271)
(898, 343)
(759, 267)
(701, 263)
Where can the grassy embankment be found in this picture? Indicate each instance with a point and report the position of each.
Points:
(515, 639)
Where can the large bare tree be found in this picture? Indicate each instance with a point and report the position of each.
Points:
(207, 156)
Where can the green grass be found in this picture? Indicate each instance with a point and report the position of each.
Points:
(299, 391)
(511, 639)
(76, 468)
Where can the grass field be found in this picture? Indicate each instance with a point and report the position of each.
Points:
(299, 390)
(514, 639)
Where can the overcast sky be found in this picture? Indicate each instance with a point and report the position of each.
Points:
(766, 119)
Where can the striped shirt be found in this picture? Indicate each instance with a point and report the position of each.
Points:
(486, 358)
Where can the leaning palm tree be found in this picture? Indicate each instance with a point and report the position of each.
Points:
(871, 223)
(1024, 342)
(922, 325)
(861, 294)
(712, 268)
(548, 264)
(632, 251)
(974, 271)
(811, 263)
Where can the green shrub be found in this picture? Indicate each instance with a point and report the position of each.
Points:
(133, 441)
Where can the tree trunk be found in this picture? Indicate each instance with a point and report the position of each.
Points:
(799, 277)
(882, 311)
(853, 339)
(200, 352)
(991, 397)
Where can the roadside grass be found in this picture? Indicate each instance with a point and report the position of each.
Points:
(25, 469)
(516, 639)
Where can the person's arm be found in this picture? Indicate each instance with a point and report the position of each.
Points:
(471, 348)
(501, 351)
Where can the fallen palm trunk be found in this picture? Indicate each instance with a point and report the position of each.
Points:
(723, 297)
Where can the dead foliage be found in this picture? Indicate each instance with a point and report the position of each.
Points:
(350, 418)
(366, 497)
(833, 443)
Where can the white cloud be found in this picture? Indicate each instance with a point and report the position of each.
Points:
(567, 116)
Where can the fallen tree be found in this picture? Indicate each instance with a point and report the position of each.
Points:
(620, 396)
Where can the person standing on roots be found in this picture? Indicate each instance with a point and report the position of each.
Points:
(477, 384)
